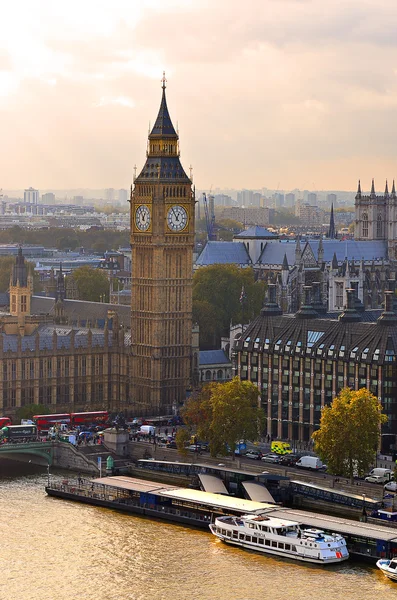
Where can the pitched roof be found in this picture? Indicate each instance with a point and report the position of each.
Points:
(256, 232)
(163, 167)
(45, 335)
(274, 253)
(213, 357)
(82, 311)
(324, 337)
(223, 253)
(369, 250)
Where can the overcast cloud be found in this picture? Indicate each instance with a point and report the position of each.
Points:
(288, 93)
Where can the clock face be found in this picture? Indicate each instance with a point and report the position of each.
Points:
(142, 218)
(177, 218)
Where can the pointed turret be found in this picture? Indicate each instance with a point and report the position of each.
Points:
(334, 263)
(320, 253)
(373, 194)
(163, 126)
(19, 271)
(386, 190)
(298, 251)
(285, 266)
(60, 291)
(162, 164)
(393, 191)
(332, 230)
(358, 195)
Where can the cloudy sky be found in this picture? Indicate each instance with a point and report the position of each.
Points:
(276, 93)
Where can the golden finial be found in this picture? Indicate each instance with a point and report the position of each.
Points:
(134, 173)
(191, 173)
(163, 81)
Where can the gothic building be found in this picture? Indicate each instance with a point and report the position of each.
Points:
(162, 237)
(376, 217)
(364, 263)
(67, 354)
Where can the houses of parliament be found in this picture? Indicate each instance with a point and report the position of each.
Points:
(76, 356)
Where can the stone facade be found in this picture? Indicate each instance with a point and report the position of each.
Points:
(162, 238)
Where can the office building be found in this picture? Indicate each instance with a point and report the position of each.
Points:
(31, 196)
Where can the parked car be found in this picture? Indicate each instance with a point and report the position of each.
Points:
(172, 445)
(375, 479)
(391, 486)
(253, 454)
(271, 458)
(194, 448)
(289, 460)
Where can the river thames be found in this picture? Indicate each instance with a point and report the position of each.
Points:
(53, 549)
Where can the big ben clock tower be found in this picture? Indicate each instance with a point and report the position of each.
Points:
(162, 237)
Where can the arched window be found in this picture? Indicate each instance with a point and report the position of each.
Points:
(365, 225)
(220, 374)
(208, 375)
(379, 227)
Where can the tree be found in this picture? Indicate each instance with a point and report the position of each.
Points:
(92, 284)
(349, 432)
(28, 411)
(181, 439)
(222, 414)
(219, 287)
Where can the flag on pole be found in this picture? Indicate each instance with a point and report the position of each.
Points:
(243, 295)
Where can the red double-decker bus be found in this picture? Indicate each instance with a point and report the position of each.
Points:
(44, 422)
(4, 422)
(99, 417)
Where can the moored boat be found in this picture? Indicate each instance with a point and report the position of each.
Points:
(388, 567)
(280, 537)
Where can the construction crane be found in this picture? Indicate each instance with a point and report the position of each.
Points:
(209, 219)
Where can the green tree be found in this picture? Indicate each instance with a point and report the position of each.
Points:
(92, 284)
(222, 414)
(219, 287)
(28, 411)
(349, 432)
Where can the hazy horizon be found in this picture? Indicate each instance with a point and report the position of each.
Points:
(271, 93)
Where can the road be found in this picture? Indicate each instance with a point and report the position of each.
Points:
(359, 487)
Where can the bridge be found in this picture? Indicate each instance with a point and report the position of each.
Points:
(43, 450)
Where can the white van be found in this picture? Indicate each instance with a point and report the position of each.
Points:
(310, 462)
(381, 475)
(147, 430)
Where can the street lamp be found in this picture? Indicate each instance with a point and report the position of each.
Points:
(48, 474)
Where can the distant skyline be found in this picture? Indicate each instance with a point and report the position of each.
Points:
(277, 93)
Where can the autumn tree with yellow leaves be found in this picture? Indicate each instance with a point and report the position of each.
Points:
(349, 432)
(222, 414)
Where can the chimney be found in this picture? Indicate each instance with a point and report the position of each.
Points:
(271, 308)
(307, 311)
(318, 304)
(388, 317)
(350, 314)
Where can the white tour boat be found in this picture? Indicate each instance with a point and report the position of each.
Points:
(388, 567)
(280, 537)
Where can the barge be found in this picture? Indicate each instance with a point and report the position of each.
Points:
(199, 509)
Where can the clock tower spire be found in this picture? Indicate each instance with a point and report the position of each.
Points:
(162, 237)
